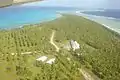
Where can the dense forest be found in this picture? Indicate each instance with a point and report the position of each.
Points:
(17, 64)
(99, 50)
(100, 47)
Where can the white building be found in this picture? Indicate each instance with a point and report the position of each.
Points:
(74, 45)
(26, 53)
(68, 59)
(42, 58)
(51, 61)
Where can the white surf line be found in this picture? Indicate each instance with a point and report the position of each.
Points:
(86, 75)
(52, 42)
(103, 24)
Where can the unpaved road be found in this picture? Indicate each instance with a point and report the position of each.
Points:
(52, 41)
(86, 75)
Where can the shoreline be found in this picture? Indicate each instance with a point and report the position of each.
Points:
(103, 24)
(19, 3)
(58, 15)
(25, 2)
(110, 18)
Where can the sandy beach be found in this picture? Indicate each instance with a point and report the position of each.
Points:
(108, 22)
(24, 1)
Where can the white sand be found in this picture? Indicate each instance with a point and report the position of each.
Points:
(32, 3)
(19, 1)
(109, 23)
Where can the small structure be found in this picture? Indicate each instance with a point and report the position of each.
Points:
(68, 59)
(42, 58)
(51, 61)
(74, 45)
(27, 53)
(12, 53)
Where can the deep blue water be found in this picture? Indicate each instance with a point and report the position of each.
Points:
(16, 16)
(114, 13)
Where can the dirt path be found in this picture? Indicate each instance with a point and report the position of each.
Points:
(52, 41)
(86, 75)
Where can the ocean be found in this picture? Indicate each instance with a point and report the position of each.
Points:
(11, 17)
(19, 15)
(112, 13)
(109, 18)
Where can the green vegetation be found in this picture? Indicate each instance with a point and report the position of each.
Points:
(100, 48)
(99, 52)
(34, 39)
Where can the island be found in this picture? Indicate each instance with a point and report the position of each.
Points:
(37, 51)
(5, 3)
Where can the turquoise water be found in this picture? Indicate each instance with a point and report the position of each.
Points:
(17, 16)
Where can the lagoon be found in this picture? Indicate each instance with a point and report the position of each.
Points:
(15, 16)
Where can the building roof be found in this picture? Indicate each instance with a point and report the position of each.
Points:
(51, 61)
(42, 58)
(74, 45)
